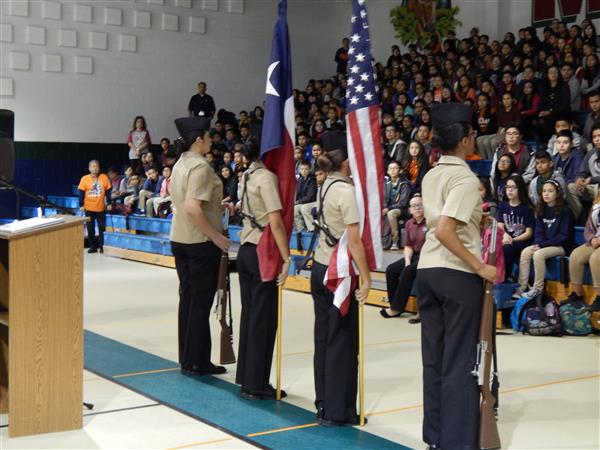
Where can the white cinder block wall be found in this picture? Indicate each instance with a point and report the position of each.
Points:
(80, 70)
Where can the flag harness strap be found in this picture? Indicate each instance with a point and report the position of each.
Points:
(320, 225)
(246, 201)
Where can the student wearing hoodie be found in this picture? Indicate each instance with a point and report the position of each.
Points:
(395, 199)
(568, 157)
(544, 169)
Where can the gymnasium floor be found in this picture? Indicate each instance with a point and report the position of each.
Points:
(550, 386)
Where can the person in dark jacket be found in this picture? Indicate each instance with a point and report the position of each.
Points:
(341, 57)
(556, 101)
(567, 160)
(306, 192)
(553, 236)
(395, 199)
(585, 188)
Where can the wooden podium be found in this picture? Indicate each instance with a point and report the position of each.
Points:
(41, 328)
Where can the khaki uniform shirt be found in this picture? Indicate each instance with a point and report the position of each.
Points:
(194, 178)
(339, 210)
(451, 189)
(261, 197)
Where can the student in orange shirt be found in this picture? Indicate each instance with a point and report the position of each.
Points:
(94, 199)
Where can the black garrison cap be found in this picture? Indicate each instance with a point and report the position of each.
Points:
(444, 114)
(189, 127)
(333, 140)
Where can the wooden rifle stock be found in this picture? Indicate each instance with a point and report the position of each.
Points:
(223, 297)
(489, 438)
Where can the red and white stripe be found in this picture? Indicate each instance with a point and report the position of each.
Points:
(366, 166)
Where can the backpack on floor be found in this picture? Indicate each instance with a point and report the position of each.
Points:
(542, 318)
(576, 321)
(595, 321)
(386, 234)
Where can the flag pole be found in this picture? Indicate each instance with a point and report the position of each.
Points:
(361, 365)
(278, 362)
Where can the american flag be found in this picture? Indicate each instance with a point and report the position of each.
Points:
(278, 137)
(366, 161)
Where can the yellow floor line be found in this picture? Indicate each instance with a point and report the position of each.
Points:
(198, 444)
(281, 430)
(535, 386)
(502, 391)
(146, 372)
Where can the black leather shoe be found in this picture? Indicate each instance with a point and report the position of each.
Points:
(195, 370)
(386, 315)
(261, 394)
(92, 250)
(342, 423)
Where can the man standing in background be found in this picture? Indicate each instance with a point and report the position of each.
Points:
(201, 104)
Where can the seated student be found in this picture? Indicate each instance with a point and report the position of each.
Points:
(484, 124)
(585, 188)
(394, 147)
(395, 199)
(304, 144)
(245, 135)
(217, 141)
(593, 116)
(317, 150)
(148, 162)
(306, 192)
(544, 169)
(159, 203)
(308, 210)
(507, 114)
(515, 217)
(553, 230)
(168, 156)
(415, 165)
(587, 253)
(489, 204)
(132, 191)
(150, 189)
(94, 198)
(115, 181)
(504, 167)
(401, 275)
(230, 185)
(564, 123)
(525, 164)
(568, 158)
(423, 136)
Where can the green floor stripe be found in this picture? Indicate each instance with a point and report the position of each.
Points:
(217, 402)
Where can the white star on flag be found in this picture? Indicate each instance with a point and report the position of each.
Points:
(364, 77)
(353, 19)
(354, 69)
(360, 57)
(351, 50)
(355, 37)
(350, 81)
(368, 96)
(363, 13)
(360, 88)
(354, 100)
(361, 2)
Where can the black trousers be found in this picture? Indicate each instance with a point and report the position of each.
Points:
(258, 324)
(450, 307)
(399, 280)
(512, 253)
(336, 351)
(100, 219)
(198, 269)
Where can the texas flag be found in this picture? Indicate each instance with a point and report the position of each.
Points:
(278, 138)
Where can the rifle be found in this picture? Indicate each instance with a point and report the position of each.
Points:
(227, 355)
(489, 438)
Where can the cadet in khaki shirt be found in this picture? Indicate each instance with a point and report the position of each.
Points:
(336, 337)
(259, 206)
(450, 285)
(196, 242)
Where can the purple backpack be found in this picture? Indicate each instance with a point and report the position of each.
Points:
(542, 318)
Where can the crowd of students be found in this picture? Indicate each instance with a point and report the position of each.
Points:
(526, 93)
